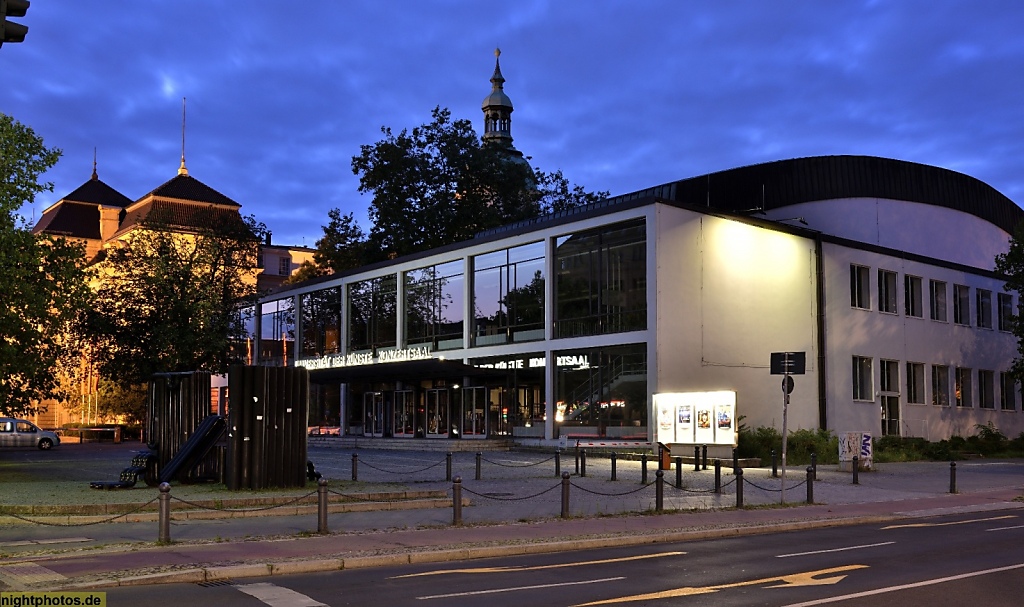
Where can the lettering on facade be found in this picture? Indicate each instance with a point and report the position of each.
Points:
(577, 362)
(335, 361)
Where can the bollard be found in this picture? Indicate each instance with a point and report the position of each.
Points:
(478, 457)
(856, 470)
(679, 473)
(739, 487)
(448, 468)
(718, 476)
(696, 458)
(565, 495)
(614, 460)
(457, 501)
(704, 458)
(577, 458)
(814, 465)
(659, 491)
(164, 533)
(643, 468)
(321, 506)
(355, 466)
(583, 463)
(775, 465)
(952, 477)
(810, 485)
(558, 462)
(735, 461)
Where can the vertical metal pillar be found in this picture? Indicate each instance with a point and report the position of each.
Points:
(321, 506)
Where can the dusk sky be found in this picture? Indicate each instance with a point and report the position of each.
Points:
(618, 95)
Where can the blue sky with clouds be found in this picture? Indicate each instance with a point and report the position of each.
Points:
(619, 95)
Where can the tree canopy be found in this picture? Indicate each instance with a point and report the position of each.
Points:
(438, 184)
(1011, 264)
(42, 279)
(169, 300)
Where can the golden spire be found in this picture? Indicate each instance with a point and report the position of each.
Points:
(182, 170)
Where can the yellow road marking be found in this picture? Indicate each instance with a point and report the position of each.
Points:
(539, 567)
(977, 520)
(809, 578)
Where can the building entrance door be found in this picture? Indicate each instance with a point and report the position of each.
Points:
(499, 413)
(405, 413)
(437, 413)
(373, 412)
(890, 385)
(474, 412)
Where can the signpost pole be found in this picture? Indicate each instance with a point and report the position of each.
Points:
(785, 411)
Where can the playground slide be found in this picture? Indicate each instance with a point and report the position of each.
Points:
(195, 449)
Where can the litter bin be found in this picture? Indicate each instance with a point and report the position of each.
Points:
(664, 457)
(117, 435)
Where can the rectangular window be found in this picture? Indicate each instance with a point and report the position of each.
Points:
(434, 306)
(860, 290)
(862, 378)
(984, 302)
(1005, 312)
(320, 318)
(961, 305)
(1008, 398)
(373, 313)
(886, 291)
(937, 290)
(962, 387)
(986, 389)
(915, 383)
(912, 296)
(940, 385)
(284, 266)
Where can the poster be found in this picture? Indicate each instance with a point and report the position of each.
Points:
(698, 418)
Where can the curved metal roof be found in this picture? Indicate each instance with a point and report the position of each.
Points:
(785, 182)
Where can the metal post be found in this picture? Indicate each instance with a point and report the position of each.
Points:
(814, 465)
(321, 506)
(659, 491)
(577, 457)
(775, 465)
(856, 470)
(478, 457)
(679, 472)
(810, 485)
(739, 487)
(448, 467)
(718, 476)
(565, 495)
(614, 460)
(558, 462)
(355, 466)
(735, 461)
(952, 477)
(696, 458)
(164, 533)
(643, 468)
(704, 457)
(583, 462)
(457, 501)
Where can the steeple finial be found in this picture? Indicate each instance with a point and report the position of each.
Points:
(497, 109)
(182, 170)
(95, 176)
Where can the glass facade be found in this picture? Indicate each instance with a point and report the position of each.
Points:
(373, 318)
(508, 295)
(602, 391)
(320, 312)
(434, 306)
(277, 332)
(515, 406)
(601, 280)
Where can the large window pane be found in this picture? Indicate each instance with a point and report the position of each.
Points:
(508, 295)
(277, 331)
(321, 322)
(372, 314)
(434, 306)
(602, 391)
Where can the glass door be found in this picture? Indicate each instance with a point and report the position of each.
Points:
(890, 385)
(437, 413)
(373, 411)
(405, 413)
(474, 412)
(499, 413)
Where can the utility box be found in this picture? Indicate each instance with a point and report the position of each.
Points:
(855, 444)
(664, 457)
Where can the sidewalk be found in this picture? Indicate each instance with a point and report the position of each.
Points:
(494, 528)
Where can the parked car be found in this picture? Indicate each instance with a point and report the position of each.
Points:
(22, 433)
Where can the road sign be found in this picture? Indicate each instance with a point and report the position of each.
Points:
(787, 384)
(788, 363)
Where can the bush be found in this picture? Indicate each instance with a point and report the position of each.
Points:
(801, 444)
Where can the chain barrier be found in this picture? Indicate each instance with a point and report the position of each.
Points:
(510, 499)
(106, 520)
(779, 490)
(363, 462)
(518, 465)
(259, 509)
(637, 490)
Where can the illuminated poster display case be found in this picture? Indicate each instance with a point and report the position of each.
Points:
(696, 418)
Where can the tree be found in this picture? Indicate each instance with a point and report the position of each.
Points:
(170, 299)
(343, 247)
(438, 184)
(1011, 264)
(42, 280)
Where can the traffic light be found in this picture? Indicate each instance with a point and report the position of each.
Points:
(12, 32)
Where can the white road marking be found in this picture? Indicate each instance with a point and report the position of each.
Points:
(276, 596)
(857, 595)
(538, 586)
(783, 556)
(1005, 528)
